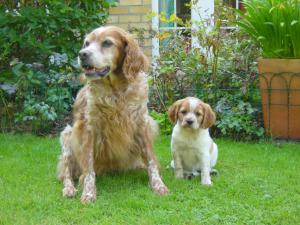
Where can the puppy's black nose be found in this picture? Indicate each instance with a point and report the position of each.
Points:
(83, 55)
(189, 122)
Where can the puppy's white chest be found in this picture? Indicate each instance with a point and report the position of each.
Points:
(189, 152)
(190, 147)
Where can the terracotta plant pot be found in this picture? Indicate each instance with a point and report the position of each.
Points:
(279, 81)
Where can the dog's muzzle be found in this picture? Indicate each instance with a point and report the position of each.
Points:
(89, 70)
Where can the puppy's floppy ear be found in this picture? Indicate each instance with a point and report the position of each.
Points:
(135, 61)
(173, 111)
(209, 116)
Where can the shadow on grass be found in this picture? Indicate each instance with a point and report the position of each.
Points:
(121, 182)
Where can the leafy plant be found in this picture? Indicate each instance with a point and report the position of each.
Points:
(275, 25)
(238, 119)
(39, 43)
(163, 121)
(31, 30)
(44, 97)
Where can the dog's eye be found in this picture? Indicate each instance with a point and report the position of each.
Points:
(86, 44)
(198, 114)
(106, 44)
(183, 112)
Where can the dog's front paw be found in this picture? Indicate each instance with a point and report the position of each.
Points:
(69, 191)
(158, 186)
(209, 184)
(206, 182)
(88, 198)
(179, 174)
(161, 190)
(89, 189)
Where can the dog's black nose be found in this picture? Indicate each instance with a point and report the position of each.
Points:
(83, 55)
(189, 122)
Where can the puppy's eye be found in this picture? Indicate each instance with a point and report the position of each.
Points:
(106, 44)
(183, 112)
(198, 114)
(86, 44)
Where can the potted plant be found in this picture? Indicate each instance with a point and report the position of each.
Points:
(275, 26)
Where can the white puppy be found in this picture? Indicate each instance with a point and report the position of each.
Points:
(192, 147)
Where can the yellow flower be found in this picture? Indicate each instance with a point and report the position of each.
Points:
(163, 35)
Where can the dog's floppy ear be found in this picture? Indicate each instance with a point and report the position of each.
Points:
(173, 111)
(135, 61)
(209, 116)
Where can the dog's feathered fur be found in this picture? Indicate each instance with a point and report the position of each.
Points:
(112, 129)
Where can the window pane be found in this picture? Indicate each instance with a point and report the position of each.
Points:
(166, 7)
(234, 3)
(182, 10)
(231, 3)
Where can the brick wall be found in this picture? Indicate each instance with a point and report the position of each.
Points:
(133, 14)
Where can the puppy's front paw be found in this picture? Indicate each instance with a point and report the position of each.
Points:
(69, 191)
(206, 182)
(179, 174)
(88, 198)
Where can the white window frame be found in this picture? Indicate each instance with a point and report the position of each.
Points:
(237, 4)
(155, 27)
(202, 9)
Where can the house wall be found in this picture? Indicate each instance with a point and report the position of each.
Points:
(130, 14)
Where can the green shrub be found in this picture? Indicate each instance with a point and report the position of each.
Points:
(275, 25)
(238, 118)
(33, 30)
(44, 96)
(39, 42)
(165, 126)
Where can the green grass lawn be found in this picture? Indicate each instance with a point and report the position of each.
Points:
(258, 183)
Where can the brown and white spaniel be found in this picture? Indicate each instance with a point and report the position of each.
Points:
(112, 129)
(193, 149)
